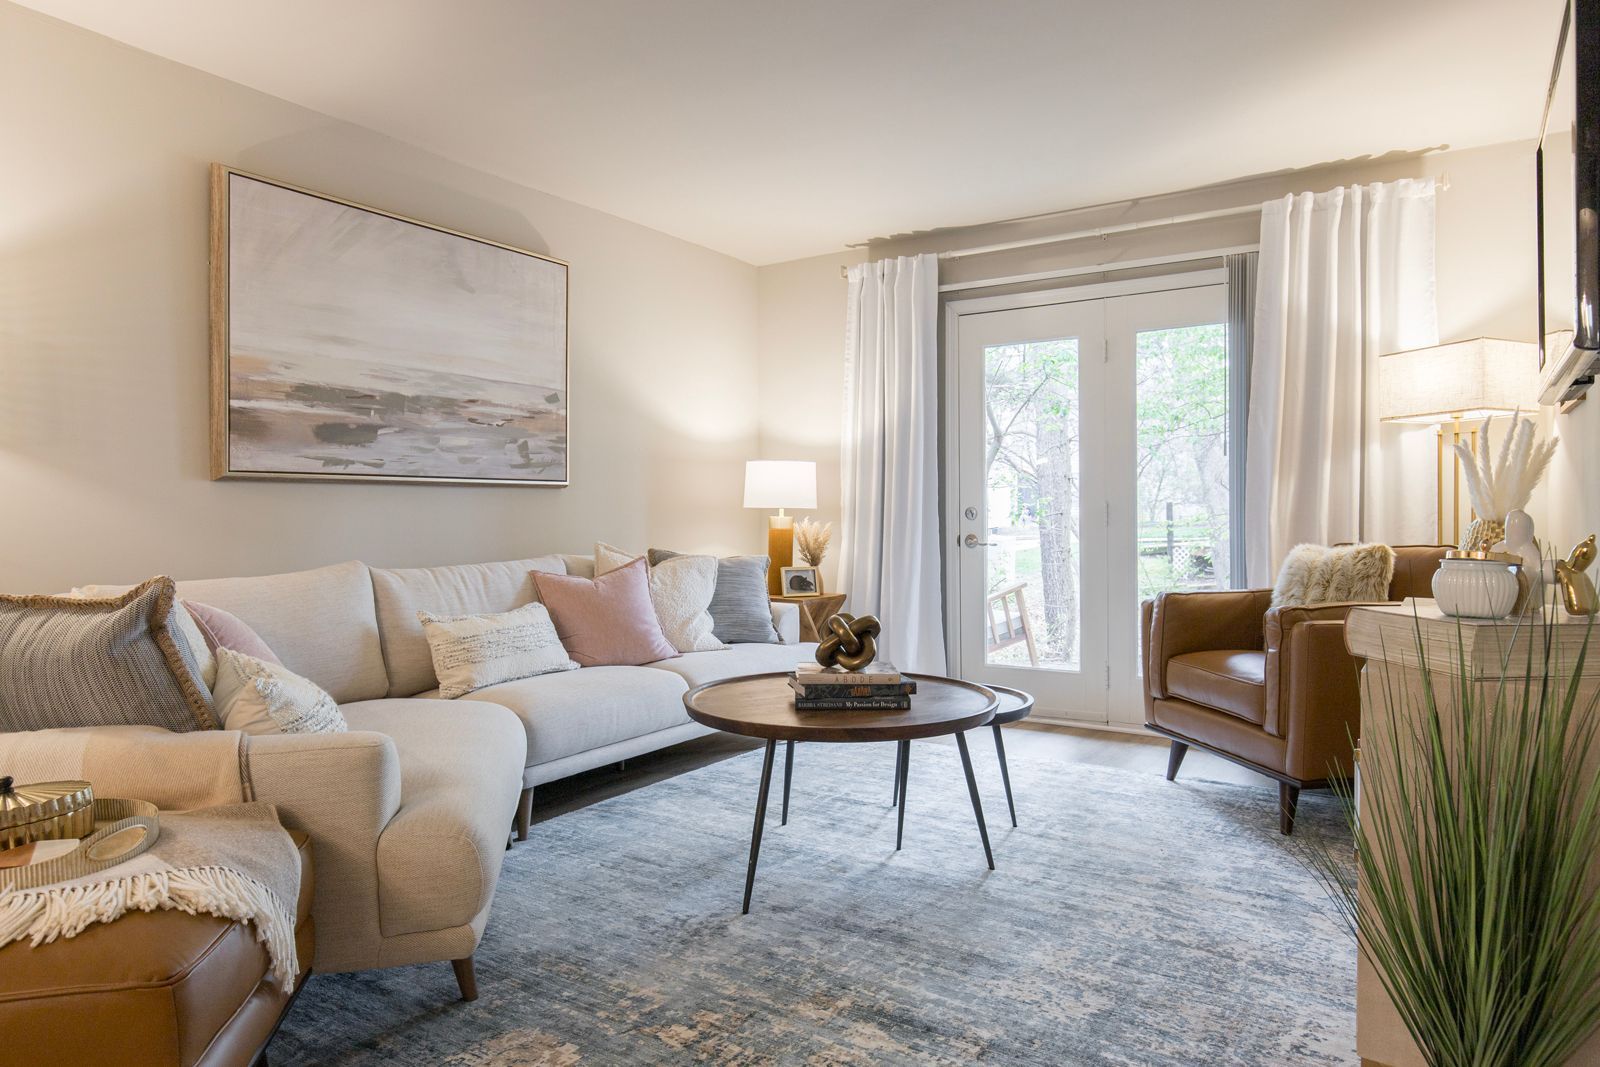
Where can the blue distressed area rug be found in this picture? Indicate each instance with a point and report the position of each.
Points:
(1131, 921)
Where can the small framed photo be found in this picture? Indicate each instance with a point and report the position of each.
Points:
(801, 581)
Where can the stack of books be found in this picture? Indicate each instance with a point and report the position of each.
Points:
(876, 687)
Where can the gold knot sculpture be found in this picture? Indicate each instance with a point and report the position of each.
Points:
(851, 642)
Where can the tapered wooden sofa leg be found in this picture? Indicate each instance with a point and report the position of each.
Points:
(1175, 758)
(466, 978)
(1288, 800)
(524, 813)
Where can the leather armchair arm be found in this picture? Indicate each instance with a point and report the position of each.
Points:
(1199, 622)
(1313, 692)
(1319, 703)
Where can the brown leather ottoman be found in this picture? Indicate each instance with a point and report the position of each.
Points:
(157, 988)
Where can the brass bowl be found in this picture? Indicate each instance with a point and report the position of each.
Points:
(45, 811)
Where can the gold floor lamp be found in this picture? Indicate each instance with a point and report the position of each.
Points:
(1444, 386)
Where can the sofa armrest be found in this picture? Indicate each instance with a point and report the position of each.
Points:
(1201, 622)
(786, 620)
(341, 790)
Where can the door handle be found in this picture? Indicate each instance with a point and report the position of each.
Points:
(971, 541)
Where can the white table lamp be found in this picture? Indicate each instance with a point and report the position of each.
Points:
(781, 484)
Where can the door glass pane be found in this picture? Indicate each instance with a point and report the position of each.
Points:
(1183, 490)
(1032, 417)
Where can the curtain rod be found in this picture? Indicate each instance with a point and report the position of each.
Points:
(1442, 183)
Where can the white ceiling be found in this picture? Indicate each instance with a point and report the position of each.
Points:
(776, 129)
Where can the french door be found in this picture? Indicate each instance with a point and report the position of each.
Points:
(1089, 434)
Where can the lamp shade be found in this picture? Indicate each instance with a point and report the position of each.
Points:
(780, 483)
(1461, 380)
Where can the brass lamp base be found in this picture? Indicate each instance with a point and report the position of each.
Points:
(780, 550)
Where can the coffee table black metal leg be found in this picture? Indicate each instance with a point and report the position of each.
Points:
(899, 755)
(788, 772)
(902, 772)
(761, 819)
(1005, 775)
(972, 788)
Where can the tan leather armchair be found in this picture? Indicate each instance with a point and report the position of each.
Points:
(1273, 689)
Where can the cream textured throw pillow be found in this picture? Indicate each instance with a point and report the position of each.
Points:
(473, 651)
(1316, 574)
(681, 588)
(267, 698)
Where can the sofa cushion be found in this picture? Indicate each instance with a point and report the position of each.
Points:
(460, 773)
(1230, 681)
(698, 668)
(223, 629)
(69, 661)
(463, 589)
(608, 620)
(474, 651)
(1315, 574)
(740, 610)
(576, 711)
(257, 697)
(320, 623)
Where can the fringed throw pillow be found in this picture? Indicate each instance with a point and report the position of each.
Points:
(474, 651)
(258, 697)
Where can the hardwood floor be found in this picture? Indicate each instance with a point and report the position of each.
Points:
(1138, 753)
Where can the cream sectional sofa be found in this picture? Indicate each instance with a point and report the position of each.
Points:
(409, 812)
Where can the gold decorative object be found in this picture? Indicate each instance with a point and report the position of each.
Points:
(118, 831)
(851, 642)
(1483, 534)
(1577, 588)
(46, 811)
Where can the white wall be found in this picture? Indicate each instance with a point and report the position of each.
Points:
(802, 376)
(103, 341)
(1486, 286)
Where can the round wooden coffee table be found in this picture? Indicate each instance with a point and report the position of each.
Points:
(762, 705)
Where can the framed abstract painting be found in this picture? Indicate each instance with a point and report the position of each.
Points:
(353, 344)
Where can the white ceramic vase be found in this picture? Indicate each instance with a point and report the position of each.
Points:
(1476, 588)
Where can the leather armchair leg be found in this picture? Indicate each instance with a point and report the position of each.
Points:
(1175, 759)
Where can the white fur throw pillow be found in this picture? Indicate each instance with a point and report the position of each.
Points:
(266, 698)
(1317, 574)
(473, 651)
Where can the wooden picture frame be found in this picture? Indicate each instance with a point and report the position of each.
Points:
(353, 344)
(800, 581)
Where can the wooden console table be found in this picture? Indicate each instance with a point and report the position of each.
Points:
(814, 611)
(1386, 638)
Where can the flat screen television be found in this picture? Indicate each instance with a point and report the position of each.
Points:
(1568, 195)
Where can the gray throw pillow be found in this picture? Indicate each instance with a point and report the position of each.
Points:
(740, 610)
(114, 661)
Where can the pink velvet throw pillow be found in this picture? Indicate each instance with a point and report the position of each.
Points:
(608, 621)
(224, 629)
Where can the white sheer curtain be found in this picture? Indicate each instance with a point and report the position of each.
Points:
(1344, 276)
(889, 560)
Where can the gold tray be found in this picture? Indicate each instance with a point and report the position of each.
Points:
(122, 830)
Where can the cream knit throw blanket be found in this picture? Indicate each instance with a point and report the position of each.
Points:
(234, 862)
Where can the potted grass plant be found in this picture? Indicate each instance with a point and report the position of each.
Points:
(1476, 856)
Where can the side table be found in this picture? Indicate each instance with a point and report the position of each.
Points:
(814, 611)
